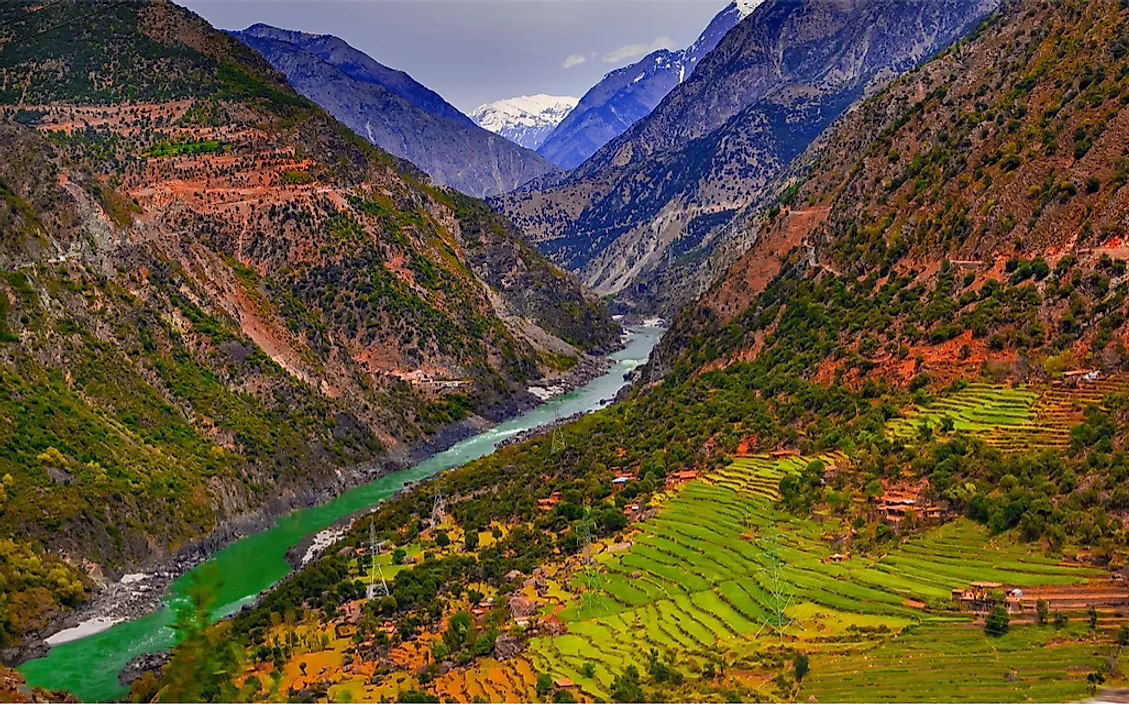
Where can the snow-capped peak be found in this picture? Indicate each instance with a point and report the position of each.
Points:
(746, 7)
(525, 119)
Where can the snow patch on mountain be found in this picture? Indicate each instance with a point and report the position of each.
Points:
(525, 119)
(746, 7)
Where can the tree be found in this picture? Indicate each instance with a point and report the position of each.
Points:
(205, 656)
(1042, 610)
(1093, 614)
(1123, 635)
(398, 556)
(470, 541)
(460, 630)
(544, 684)
(626, 687)
(1061, 620)
(997, 622)
(442, 539)
(588, 670)
(801, 666)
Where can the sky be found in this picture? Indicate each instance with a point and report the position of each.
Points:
(476, 51)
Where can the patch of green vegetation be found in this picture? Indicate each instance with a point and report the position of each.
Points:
(447, 409)
(169, 147)
(558, 362)
(238, 83)
(295, 177)
(21, 209)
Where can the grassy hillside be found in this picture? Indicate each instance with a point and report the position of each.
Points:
(215, 298)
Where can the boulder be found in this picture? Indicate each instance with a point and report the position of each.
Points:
(508, 646)
(521, 608)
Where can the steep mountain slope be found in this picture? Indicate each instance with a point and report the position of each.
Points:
(526, 119)
(396, 113)
(768, 89)
(359, 66)
(972, 213)
(216, 300)
(628, 94)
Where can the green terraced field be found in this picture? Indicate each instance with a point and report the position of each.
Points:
(1015, 419)
(695, 583)
(938, 662)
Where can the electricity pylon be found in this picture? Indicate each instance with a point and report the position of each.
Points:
(374, 569)
(779, 597)
(593, 589)
(439, 509)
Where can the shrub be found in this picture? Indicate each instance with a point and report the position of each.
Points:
(801, 666)
(997, 622)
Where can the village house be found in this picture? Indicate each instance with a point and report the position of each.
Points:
(621, 480)
(898, 502)
(1074, 377)
(548, 503)
(780, 454)
(679, 478)
(978, 598)
(632, 511)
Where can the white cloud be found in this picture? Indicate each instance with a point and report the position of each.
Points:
(635, 51)
(574, 60)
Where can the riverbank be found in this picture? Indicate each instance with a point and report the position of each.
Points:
(131, 595)
(240, 572)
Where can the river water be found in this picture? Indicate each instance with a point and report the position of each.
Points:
(89, 666)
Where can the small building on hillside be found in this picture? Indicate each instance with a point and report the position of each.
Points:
(981, 597)
(678, 478)
(1075, 377)
(632, 511)
(549, 502)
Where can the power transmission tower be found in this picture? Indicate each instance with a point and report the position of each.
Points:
(779, 596)
(557, 443)
(593, 597)
(439, 509)
(374, 568)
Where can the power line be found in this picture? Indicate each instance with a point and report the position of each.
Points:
(28, 13)
(23, 40)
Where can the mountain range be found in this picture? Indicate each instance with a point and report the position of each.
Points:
(628, 94)
(395, 112)
(642, 216)
(526, 119)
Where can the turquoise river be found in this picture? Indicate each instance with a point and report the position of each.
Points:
(89, 666)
